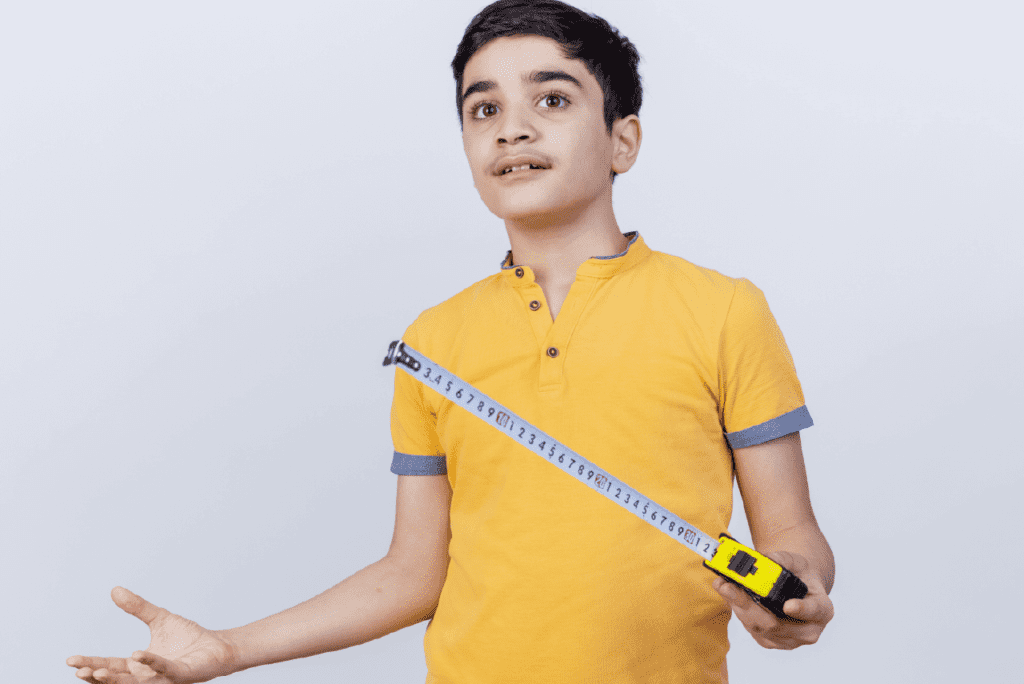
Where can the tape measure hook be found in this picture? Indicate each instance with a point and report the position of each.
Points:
(396, 354)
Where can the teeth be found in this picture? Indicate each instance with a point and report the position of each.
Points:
(523, 167)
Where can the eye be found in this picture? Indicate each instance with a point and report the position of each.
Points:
(554, 101)
(488, 108)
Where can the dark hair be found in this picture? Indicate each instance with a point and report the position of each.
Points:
(609, 57)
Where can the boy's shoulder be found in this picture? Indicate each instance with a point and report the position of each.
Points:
(710, 294)
(679, 284)
(450, 315)
(675, 271)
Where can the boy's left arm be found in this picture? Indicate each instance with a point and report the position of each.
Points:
(773, 484)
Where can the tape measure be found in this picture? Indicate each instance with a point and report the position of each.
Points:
(767, 582)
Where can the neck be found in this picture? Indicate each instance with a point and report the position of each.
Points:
(554, 245)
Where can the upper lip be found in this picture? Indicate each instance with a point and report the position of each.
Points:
(519, 160)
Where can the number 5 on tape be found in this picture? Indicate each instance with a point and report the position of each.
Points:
(767, 582)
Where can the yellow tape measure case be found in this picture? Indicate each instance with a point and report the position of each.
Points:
(763, 579)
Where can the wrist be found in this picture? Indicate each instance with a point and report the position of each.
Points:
(237, 657)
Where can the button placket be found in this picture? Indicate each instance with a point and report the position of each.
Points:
(555, 346)
(552, 361)
(533, 301)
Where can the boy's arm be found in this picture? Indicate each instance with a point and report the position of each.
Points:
(773, 483)
(399, 590)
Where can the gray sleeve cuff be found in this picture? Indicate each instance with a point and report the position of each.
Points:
(787, 423)
(408, 464)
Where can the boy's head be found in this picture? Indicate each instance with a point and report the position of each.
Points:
(501, 111)
(610, 58)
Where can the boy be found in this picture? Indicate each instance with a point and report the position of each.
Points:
(670, 376)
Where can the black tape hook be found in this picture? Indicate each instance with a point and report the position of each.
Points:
(397, 349)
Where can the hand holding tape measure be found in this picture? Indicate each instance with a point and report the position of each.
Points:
(765, 581)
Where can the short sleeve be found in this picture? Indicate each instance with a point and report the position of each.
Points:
(761, 398)
(414, 425)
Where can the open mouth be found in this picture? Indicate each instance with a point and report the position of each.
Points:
(522, 167)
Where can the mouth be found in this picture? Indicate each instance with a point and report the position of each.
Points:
(512, 170)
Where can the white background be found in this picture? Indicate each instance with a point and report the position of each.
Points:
(214, 216)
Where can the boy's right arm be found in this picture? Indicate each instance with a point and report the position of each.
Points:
(399, 590)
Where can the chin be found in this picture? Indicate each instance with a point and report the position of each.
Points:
(528, 207)
(524, 213)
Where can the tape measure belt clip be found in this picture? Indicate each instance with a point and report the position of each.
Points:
(743, 564)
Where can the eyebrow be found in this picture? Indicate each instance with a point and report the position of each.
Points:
(532, 77)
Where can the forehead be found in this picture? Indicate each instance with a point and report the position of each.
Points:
(508, 59)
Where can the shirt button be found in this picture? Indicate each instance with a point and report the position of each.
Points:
(552, 352)
(519, 273)
(534, 305)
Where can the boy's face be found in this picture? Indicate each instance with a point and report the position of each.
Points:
(528, 103)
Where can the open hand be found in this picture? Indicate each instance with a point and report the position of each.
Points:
(809, 614)
(180, 651)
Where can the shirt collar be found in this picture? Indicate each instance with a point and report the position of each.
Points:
(597, 266)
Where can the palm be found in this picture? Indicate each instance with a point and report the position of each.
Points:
(184, 641)
(180, 651)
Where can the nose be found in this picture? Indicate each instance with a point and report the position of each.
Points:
(515, 127)
(524, 136)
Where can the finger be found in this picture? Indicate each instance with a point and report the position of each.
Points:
(795, 636)
(737, 598)
(801, 567)
(156, 663)
(108, 677)
(85, 674)
(780, 643)
(793, 562)
(134, 604)
(799, 609)
(113, 664)
(813, 608)
(755, 618)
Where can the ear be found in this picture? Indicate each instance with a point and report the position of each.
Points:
(626, 137)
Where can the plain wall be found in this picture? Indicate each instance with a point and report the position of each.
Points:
(215, 216)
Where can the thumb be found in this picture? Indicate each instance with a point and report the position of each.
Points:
(134, 604)
(793, 562)
(798, 609)
(158, 664)
(813, 608)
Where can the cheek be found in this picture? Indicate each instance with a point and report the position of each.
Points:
(471, 155)
(475, 168)
(600, 153)
(587, 147)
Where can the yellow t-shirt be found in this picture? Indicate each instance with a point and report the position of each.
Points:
(652, 367)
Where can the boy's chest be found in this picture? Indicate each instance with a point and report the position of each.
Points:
(605, 347)
(640, 403)
(555, 295)
(638, 373)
